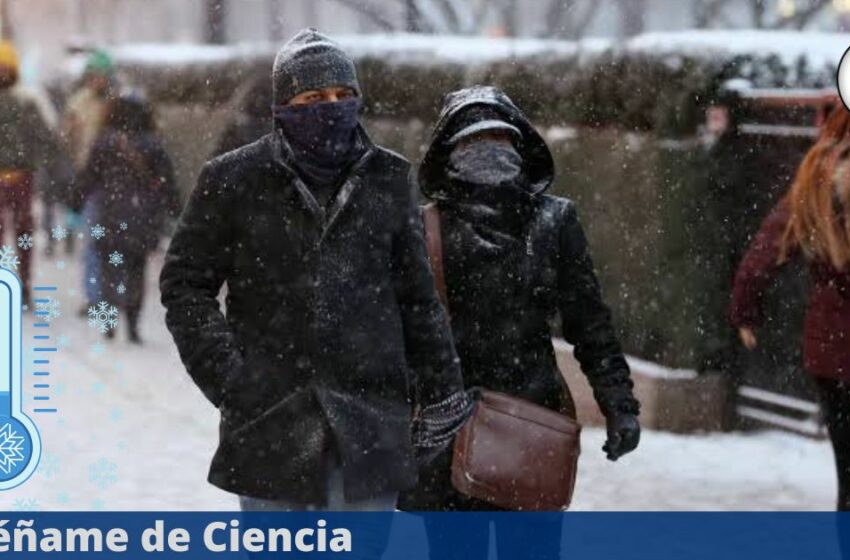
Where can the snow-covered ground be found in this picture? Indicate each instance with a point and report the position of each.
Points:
(133, 433)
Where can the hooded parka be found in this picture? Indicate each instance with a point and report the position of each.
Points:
(508, 278)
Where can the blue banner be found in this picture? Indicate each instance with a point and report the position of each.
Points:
(391, 536)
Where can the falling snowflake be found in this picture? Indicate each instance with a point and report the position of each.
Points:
(60, 265)
(48, 467)
(123, 226)
(103, 473)
(11, 448)
(22, 504)
(121, 289)
(59, 233)
(25, 242)
(116, 258)
(8, 258)
(48, 310)
(92, 280)
(98, 231)
(98, 348)
(103, 316)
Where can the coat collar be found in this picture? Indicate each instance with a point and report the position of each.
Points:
(325, 218)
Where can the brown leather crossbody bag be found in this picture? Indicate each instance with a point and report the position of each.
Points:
(512, 453)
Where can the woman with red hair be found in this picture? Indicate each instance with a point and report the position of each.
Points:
(812, 221)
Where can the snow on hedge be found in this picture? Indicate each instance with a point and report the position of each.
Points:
(822, 50)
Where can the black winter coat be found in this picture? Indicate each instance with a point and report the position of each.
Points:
(326, 317)
(502, 299)
(134, 188)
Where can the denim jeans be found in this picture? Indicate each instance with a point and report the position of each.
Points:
(372, 532)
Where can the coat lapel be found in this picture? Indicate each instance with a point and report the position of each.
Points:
(325, 218)
(346, 192)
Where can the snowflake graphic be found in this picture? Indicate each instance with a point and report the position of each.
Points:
(49, 465)
(25, 242)
(49, 310)
(8, 259)
(22, 504)
(121, 289)
(123, 226)
(116, 258)
(103, 316)
(11, 448)
(98, 348)
(103, 473)
(98, 231)
(92, 280)
(59, 233)
(116, 414)
(60, 265)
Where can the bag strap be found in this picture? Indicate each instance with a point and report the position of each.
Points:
(434, 242)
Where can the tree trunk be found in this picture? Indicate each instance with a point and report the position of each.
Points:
(412, 17)
(632, 17)
(274, 13)
(216, 20)
(6, 32)
(510, 17)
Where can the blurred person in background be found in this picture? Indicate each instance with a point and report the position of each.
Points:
(26, 145)
(131, 176)
(83, 122)
(251, 120)
(513, 258)
(812, 222)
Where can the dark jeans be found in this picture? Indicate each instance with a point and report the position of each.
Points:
(835, 401)
(130, 274)
(471, 539)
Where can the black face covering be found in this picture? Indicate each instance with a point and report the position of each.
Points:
(489, 193)
(323, 138)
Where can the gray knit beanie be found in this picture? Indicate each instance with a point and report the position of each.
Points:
(311, 61)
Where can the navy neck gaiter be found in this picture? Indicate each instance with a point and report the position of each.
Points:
(323, 138)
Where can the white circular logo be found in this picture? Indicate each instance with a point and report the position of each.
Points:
(843, 79)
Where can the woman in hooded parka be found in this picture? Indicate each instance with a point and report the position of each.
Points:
(514, 258)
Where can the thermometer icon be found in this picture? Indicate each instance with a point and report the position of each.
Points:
(20, 444)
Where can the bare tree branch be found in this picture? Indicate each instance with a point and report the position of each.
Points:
(583, 19)
(758, 11)
(566, 19)
(375, 15)
(801, 18)
(707, 12)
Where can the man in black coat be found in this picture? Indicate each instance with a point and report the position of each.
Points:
(330, 303)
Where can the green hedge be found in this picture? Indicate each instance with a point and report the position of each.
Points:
(635, 91)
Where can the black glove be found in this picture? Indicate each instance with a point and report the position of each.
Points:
(623, 435)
